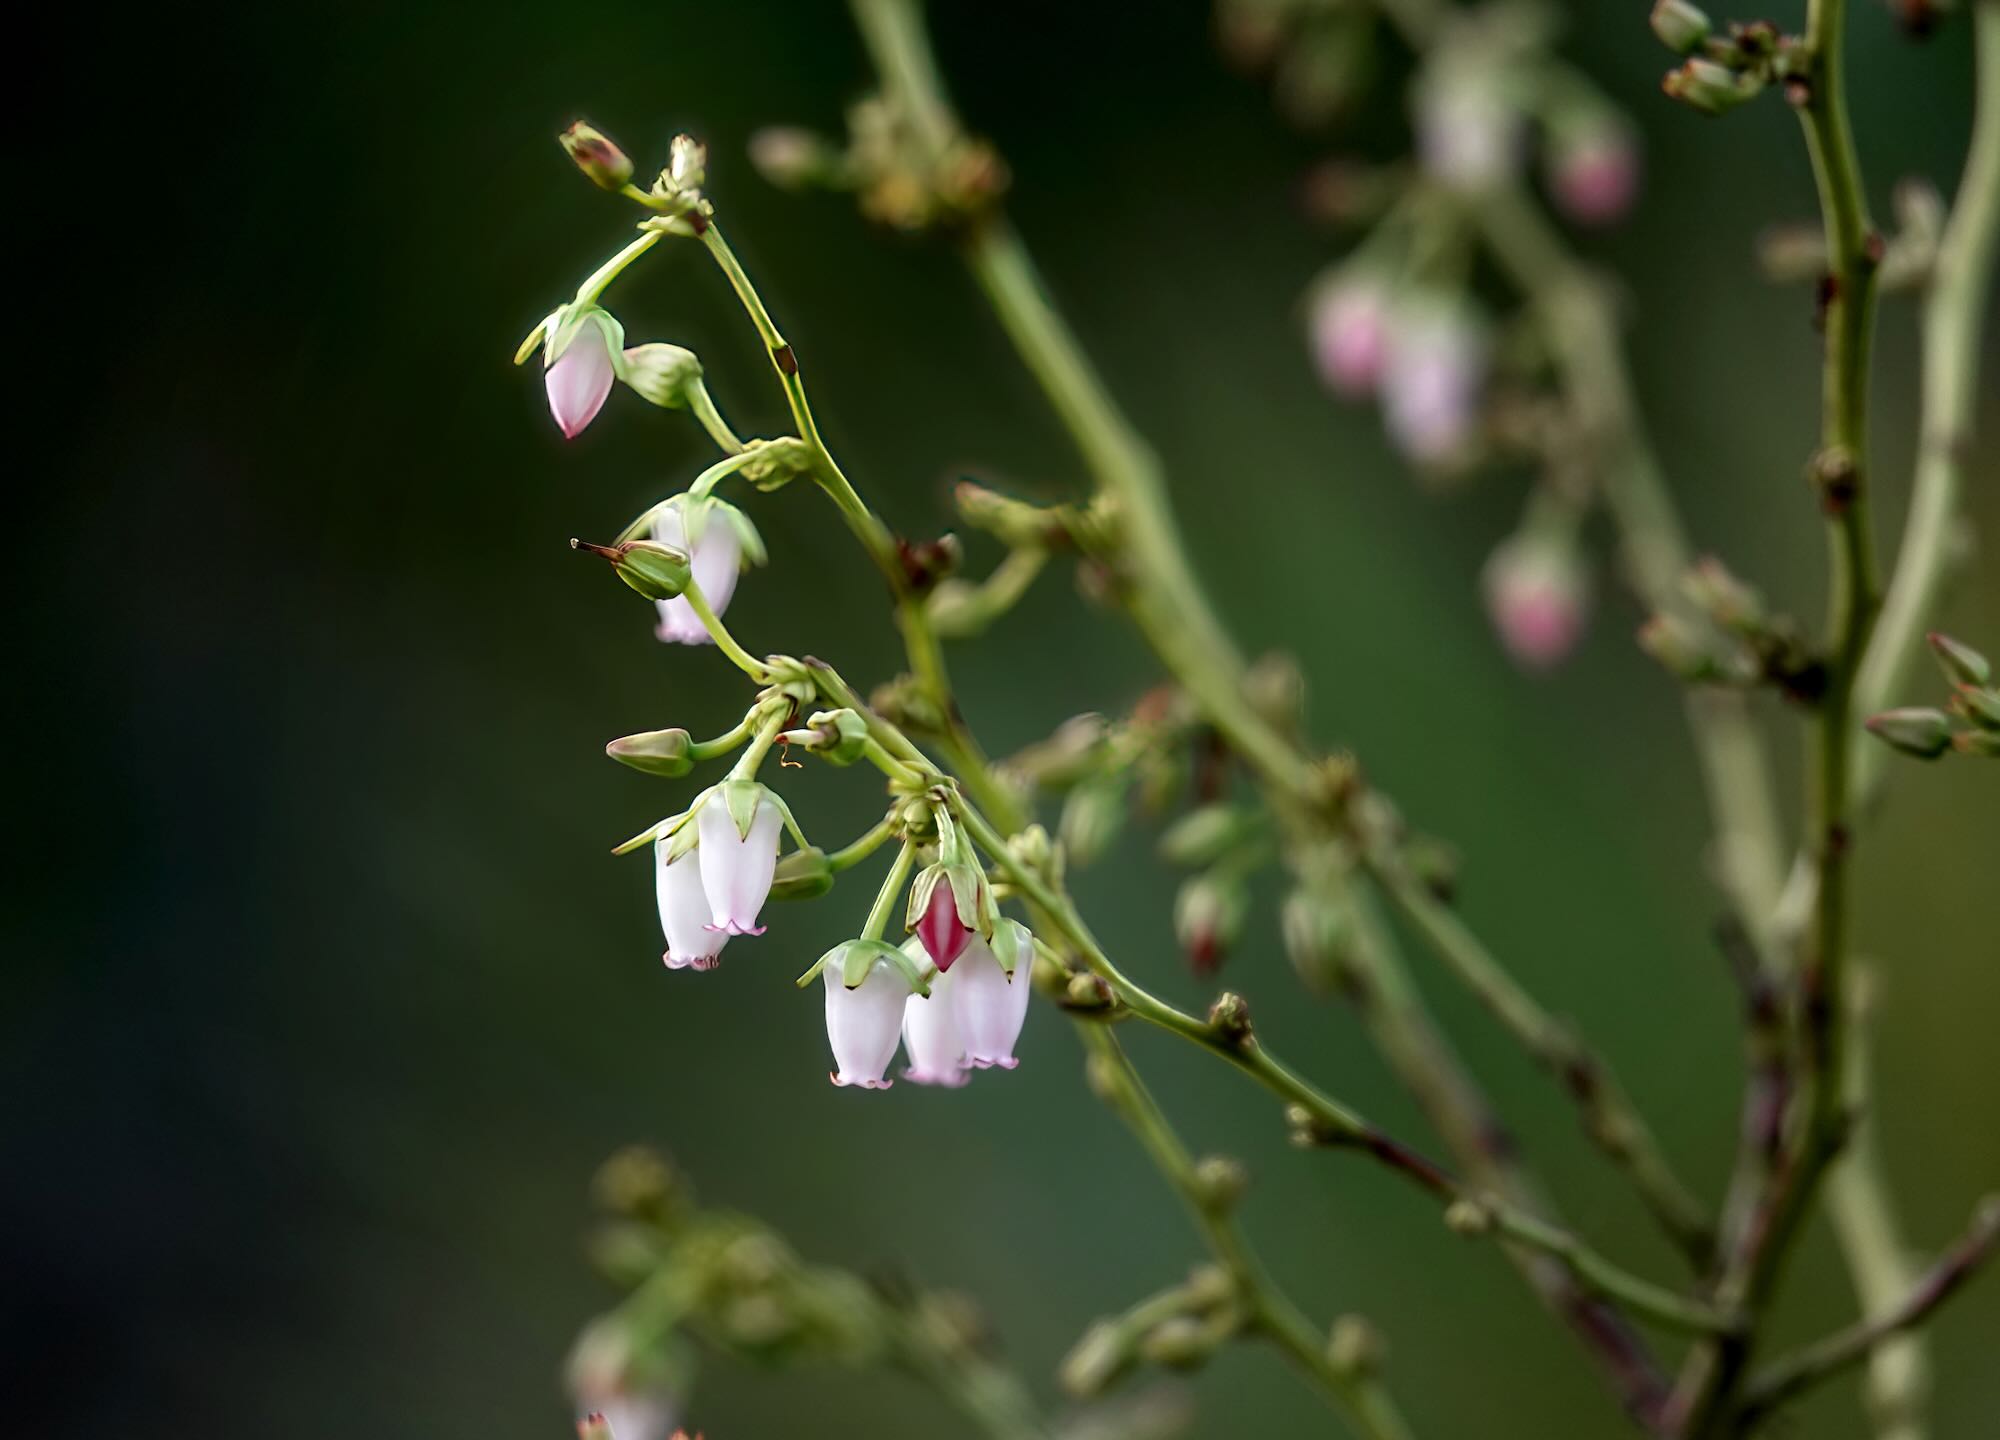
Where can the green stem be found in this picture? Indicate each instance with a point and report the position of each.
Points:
(862, 846)
(702, 404)
(1817, 1128)
(748, 763)
(1609, 1116)
(599, 279)
(1269, 1311)
(724, 641)
(890, 893)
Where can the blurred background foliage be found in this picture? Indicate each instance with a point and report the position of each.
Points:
(323, 996)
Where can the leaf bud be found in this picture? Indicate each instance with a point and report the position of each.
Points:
(669, 753)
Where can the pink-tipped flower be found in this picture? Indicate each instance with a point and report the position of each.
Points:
(1594, 173)
(1349, 322)
(939, 930)
(988, 1004)
(1432, 384)
(579, 365)
(692, 944)
(738, 832)
(930, 1032)
(1537, 595)
(863, 1024)
(715, 554)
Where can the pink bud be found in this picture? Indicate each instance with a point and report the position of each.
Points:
(1595, 177)
(580, 377)
(939, 929)
(1536, 596)
(1350, 336)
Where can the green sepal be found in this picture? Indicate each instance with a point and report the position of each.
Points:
(1012, 944)
(535, 336)
(971, 896)
(1979, 705)
(858, 958)
(748, 540)
(804, 874)
(847, 736)
(740, 798)
(660, 830)
(566, 324)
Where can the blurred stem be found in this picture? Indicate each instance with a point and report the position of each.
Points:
(988, 1394)
(1608, 1114)
(1164, 600)
(1268, 1311)
(1817, 1128)
(1858, 1200)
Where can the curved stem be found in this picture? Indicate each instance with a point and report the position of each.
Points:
(725, 642)
(861, 847)
(599, 279)
(702, 405)
(890, 893)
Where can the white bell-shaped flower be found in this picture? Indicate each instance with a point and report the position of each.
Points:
(863, 1024)
(930, 1031)
(715, 556)
(737, 865)
(989, 1005)
(692, 943)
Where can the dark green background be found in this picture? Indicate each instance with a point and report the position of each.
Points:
(323, 996)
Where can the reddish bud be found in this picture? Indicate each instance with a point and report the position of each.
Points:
(939, 929)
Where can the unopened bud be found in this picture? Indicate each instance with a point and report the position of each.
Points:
(1017, 523)
(1220, 1182)
(1978, 704)
(1208, 918)
(795, 159)
(1356, 1348)
(608, 167)
(1962, 664)
(657, 752)
(1099, 1358)
(1087, 992)
(1923, 733)
(639, 1183)
(1681, 647)
(654, 570)
(802, 875)
(839, 737)
(1468, 1217)
(1977, 742)
(661, 373)
(1709, 87)
(1275, 686)
(1229, 1017)
(1181, 1343)
(1679, 25)
(1201, 837)
(1092, 815)
(1317, 931)
(1729, 602)
(687, 162)
(1789, 254)
(1537, 593)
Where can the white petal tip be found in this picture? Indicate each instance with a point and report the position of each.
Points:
(946, 1079)
(862, 1083)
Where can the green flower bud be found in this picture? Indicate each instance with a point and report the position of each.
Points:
(1095, 1361)
(1208, 918)
(1962, 665)
(608, 167)
(649, 567)
(1317, 931)
(657, 752)
(661, 373)
(839, 737)
(1709, 87)
(1726, 600)
(1923, 733)
(1680, 26)
(1355, 1348)
(1201, 837)
(1181, 1343)
(1092, 816)
(1977, 742)
(795, 159)
(1220, 1181)
(802, 875)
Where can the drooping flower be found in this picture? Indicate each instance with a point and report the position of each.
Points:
(1431, 385)
(1537, 595)
(579, 364)
(717, 538)
(738, 827)
(1594, 172)
(864, 1023)
(1349, 323)
(692, 943)
(989, 1005)
(613, 1382)
(930, 1032)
